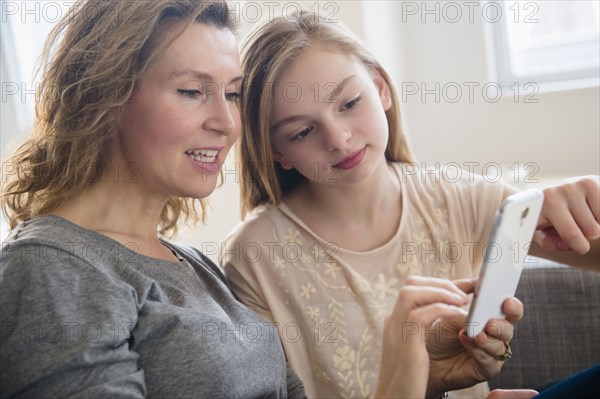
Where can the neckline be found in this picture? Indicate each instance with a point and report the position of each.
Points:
(283, 208)
(112, 241)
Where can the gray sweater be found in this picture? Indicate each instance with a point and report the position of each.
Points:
(83, 316)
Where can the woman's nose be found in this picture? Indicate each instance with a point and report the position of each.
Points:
(223, 115)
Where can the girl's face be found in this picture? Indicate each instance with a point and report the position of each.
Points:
(328, 118)
(177, 128)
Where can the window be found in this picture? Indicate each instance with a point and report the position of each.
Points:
(546, 41)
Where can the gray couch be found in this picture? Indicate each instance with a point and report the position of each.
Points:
(559, 334)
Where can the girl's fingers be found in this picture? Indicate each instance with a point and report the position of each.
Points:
(500, 330)
(513, 309)
(466, 285)
(485, 349)
(412, 296)
(420, 304)
(424, 316)
(436, 282)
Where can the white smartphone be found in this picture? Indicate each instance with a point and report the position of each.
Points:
(504, 256)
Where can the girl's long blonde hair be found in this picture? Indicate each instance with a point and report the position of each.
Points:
(267, 51)
(90, 65)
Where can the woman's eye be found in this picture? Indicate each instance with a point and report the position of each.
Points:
(302, 134)
(189, 93)
(235, 96)
(352, 104)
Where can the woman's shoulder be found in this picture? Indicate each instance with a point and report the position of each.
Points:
(53, 255)
(43, 236)
(47, 229)
(52, 246)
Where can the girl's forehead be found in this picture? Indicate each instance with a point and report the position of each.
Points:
(320, 64)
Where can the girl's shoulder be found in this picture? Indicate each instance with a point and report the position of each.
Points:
(450, 177)
(257, 224)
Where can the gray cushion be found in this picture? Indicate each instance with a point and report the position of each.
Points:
(560, 331)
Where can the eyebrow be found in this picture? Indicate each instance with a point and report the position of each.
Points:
(340, 86)
(201, 75)
(336, 91)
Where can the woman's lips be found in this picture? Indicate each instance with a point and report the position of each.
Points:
(352, 160)
(206, 159)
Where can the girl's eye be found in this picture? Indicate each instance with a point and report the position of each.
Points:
(235, 96)
(302, 135)
(353, 103)
(189, 93)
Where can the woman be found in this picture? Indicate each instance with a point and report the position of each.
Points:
(137, 112)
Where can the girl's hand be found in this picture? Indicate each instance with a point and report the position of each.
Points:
(457, 361)
(405, 360)
(570, 216)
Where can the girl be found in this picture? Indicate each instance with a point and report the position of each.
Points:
(340, 221)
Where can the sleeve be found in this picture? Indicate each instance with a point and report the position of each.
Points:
(485, 198)
(472, 204)
(246, 252)
(66, 327)
(295, 388)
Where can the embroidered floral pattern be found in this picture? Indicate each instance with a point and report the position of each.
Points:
(278, 263)
(386, 286)
(293, 236)
(343, 358)
(306, 290)
(331, 269)
(354, 296)
(312, 312)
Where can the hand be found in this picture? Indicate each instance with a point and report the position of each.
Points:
(457, 361)
(405, 361)
(570, 216)
(512, 394)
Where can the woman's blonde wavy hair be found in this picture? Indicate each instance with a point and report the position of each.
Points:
(90, 65)
(266, 52)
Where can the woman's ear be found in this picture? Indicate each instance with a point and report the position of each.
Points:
(382, 88)
(277, 157)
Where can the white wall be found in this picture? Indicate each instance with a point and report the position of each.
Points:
(560, 133)
(8, 131)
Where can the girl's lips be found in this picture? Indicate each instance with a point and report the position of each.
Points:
(352, 160)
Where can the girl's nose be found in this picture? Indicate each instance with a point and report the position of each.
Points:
(336, 136)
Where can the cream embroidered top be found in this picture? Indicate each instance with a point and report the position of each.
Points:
(329, 303)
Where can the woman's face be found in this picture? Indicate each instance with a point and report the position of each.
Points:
(328, 118)
(178, 127)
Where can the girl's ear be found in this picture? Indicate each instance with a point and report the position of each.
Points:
(383, 89)
(277, 157)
